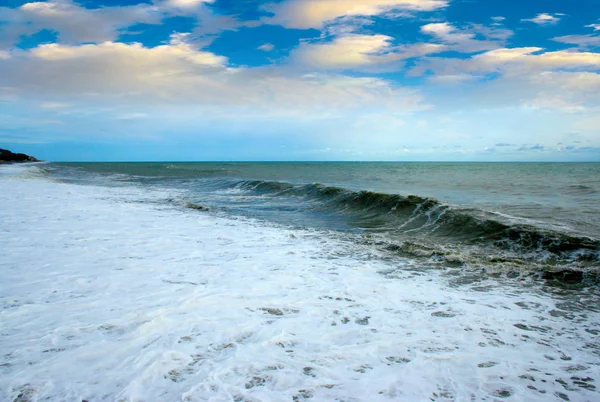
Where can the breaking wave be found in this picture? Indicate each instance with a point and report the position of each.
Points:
(426, 226)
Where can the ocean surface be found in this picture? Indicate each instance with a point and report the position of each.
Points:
(521, 215)
(300, 281)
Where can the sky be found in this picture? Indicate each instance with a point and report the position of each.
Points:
(394, 80)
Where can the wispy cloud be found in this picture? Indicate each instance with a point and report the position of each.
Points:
(472, 39)
(267, 47)
(316, 13)
(179, 74)
(584, 41)
(354, 51)
(74, 23)
(545, 18)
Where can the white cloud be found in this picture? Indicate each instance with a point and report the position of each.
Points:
(354, 51)
(113, 53)
(343, 52)
(596, 27)
(446, 32)
(349, 50)
(498, 19)
(527, 77)
(465, 40)
(267, 47)
(76, 24)
(526, 59)
(315, 13)
(545, 18)
(584, 41)
(563, 59)
(452, 79)
(497, 57)
(211, 24)
(186, 4)
(177, 74)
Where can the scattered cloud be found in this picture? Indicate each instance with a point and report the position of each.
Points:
(177, 74)
(545, 18)
(73, 23)
(345, 68)
(532, 148)
(565, 81)
(267, 47)
(186, 4)
(210, 24)
(584, 41)
(525, 59)
(165, 55)
(452, 79)
(354, 51)
(306, 14)
(467, 40)
(361, 51)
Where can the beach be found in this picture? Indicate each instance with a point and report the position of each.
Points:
(111, 293)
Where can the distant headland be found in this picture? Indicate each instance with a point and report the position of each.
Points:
(7, 156)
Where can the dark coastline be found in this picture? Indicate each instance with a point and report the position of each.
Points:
(7, 156)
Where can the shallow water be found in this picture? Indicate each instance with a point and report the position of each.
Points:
(113, 293)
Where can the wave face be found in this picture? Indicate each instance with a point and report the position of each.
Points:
(523, 217)
(426, 226)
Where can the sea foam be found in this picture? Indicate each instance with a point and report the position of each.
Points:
(109, 295)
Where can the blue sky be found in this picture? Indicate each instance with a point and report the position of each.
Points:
(458, 80)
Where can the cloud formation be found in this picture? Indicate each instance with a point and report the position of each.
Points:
(525, 59)
(132, 74)
(473, 39)
(267, 47)
(306, 14)
(391, 76)
(545, 18)
(354, 51)
(73, 23)
(186, 4)
(584, 41)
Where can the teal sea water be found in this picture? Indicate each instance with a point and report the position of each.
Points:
(523, 216)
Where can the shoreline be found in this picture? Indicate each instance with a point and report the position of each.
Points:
(109, 294)
(19, 162)
(9, 156)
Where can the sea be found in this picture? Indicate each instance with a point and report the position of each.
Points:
(320, 281)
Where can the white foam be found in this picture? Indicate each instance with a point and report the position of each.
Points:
(106, 296)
